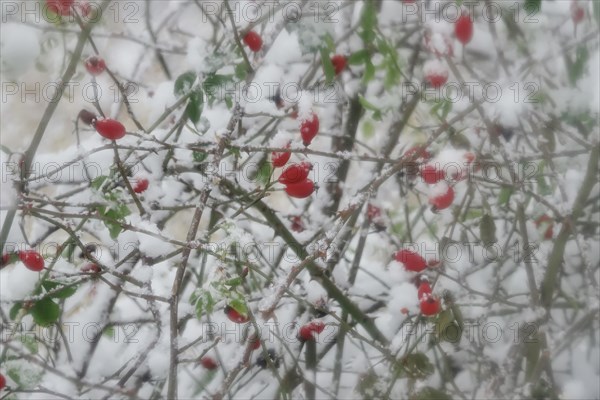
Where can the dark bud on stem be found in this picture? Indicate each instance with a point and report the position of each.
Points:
(87, 117)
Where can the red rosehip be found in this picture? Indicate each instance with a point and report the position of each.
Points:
(463, 29)
(404, 310)
(141, 185)
(411, 260)
(32, 260)
(309, 129)
(545, 221)
(95, 65)
(235, 316)
(2, 382)
(60, 7)
(253, 41)
(209, 363)
(436, 73)
(110, 128)
(5, 259)
(373, 212)
(430, 305)
(339, 63)
(577, 12)
(424, 290)
(300, 190)
(431, 174)
(297, 224)
(254, 342)
(443, 200)
(295, 173)
(279, 159)
(307, 331)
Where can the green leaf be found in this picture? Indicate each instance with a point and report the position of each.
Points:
(368, 21)
(371, 107)
(359, 57)
(98, 182)
(114, 229)
(45, 312)
(195, 105)
(109, 331)
(239, 305)
(264, 173)
(369, 72)
(14, 310)
(67, 291)
(429, 393)
(577, 67)
(415, 366)
(184, 83)
(504, 195)
(327, 65)
(532, 6)
(199, 156)
(368, 129)
(532, 349)
(446, 329)
(233, 282)
(29, 342)
(241, 71)
(204, 302)
(487, 230)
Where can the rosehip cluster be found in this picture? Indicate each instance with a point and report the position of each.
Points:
(30, 258)
(307, 331)
(294, 177)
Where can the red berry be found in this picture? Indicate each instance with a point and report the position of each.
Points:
(141, 185)
(430, 305)
(436, 73)
(300, 190)
(339, 63)
(2, 382)
(87, 117)
(60, 7)
(32, 260)
(544, 221)
(577, 12)
(295, 173)
(5, 259)
(110, 128)
(411, 260)
(443, 200)
(463, 29)
(95, 65)
(424, 290)
(90, 268)
(235, 316)
(431, 174)
(309, 129)
(253, 40)
(373, 212)
(254, 342)
(307, 331)
(297, 224)
(279, 159)
(208, 362)
(404, 310)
